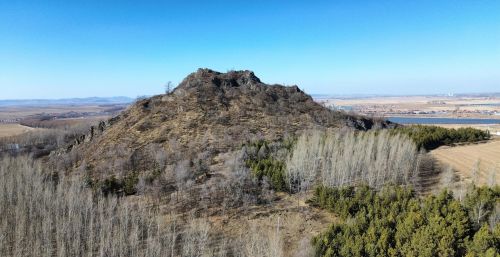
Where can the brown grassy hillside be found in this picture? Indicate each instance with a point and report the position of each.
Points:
(207, 115)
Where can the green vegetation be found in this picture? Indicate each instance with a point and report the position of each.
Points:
(264, 164)
(113, 185)
(395, 222)
(273, 169)
(431, 137)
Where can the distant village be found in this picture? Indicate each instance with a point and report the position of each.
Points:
(9, 121)
(394, 110)
(416, 108)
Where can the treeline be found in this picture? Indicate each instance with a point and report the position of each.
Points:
(334, 158)
(394, 222)
(341, 158)
(431, 137)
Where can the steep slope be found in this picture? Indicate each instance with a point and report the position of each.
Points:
(208, 114)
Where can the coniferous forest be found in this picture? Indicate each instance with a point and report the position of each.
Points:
(393, 221)
(431, 137)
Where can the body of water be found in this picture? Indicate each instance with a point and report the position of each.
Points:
(426, 120)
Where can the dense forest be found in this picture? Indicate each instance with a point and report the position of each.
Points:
(431, 137)
(395, 222)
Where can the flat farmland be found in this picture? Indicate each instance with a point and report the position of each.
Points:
(464, 158)
(7, 130)
(22, 112)
(16, 119)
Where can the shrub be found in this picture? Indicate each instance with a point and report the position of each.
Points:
(270, 168)
(126, 185)
(264, 161)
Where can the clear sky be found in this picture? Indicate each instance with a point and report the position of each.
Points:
(57, 49)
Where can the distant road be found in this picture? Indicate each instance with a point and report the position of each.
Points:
(426, 120)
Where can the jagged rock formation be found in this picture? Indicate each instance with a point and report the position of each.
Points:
(208, 114)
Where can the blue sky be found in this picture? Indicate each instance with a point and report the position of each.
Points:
(57, 49)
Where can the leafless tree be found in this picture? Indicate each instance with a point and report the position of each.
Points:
(479, 212)
(476, 171)
(157, 154)
(195, 238)
(347, 157)
(259, 241)
(492, 177)
(45, 217)
(495, 216)
(168, 87)
(447, 177)
(181, 175)
(305, 248)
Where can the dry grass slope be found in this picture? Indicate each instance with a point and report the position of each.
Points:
(8, 130)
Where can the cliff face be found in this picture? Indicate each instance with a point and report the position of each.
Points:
(208, 114)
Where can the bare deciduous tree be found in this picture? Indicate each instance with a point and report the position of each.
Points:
(475, 172)
(181, 175)
(44, 217)
(195, 238)
(261, 241)
(168, 87)
(495, 216)
(348, 158)
(447, 176)
(492, 177)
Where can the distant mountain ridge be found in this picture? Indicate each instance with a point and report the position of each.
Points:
(67, 101)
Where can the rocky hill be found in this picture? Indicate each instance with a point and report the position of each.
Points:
(207, 115)
(189, 154)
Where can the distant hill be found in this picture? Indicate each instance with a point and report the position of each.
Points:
(67, 101)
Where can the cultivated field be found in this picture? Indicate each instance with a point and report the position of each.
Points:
(7, 130)
(13, 114)
(481, 158)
